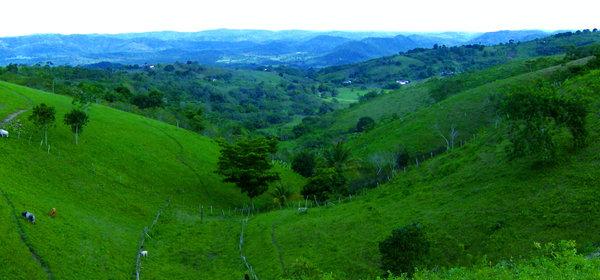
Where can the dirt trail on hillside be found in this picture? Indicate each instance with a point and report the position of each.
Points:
(181, 157)
(34, 254)
(17, 113)
(12, 117)
(278, 249)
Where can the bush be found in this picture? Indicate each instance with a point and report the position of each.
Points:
(326, 182)
(536, 115)
(304, 163)
(281, 194)
(559, 261)
(302, 269)
(152, 100)
(404, 249)
(368, 96)
(300, 130)
(365, 124)
(402, 158)
(443, 88)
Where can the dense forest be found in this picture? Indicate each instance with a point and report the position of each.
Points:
(217, 101)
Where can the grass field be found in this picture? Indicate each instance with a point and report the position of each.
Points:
(106, 189)
(473, 203)
(348, 95)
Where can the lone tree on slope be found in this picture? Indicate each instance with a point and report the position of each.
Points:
(247, 164)
(76, 119)
(43, 116)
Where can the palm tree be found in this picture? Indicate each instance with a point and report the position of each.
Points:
(338, 156)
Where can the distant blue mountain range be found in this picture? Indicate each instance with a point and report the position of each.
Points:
(235, 47)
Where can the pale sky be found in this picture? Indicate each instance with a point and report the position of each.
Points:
(21, 17)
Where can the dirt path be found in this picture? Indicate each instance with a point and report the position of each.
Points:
(278, 249)
(34, 254)
(17, 113)
(12, 117)
(181, 157)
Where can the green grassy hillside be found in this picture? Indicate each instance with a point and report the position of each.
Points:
(474, 204)
(106, 189)
(129, 173)
(468, 112)
(394, 106)
(472, 201)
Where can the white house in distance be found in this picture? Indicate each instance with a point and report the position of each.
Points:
(403, 82)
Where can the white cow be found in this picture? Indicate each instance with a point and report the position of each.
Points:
(3, 133)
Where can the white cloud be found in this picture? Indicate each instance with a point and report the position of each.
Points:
(117, 16)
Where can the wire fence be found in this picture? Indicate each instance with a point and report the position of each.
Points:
(145, 231)
(249, 267)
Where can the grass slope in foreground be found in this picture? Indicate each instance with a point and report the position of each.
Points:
(106, 189)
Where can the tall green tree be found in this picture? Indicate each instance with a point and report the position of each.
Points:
(76, 119)
(196, 119)
(247, 164)
(43, 116)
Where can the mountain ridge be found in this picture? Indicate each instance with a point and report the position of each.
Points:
(243, 47)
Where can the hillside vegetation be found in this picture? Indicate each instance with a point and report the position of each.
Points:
(449, 60)
(477, 206)
(395, 106)
(472, 200)
(486, 173)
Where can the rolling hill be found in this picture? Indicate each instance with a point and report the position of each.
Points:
(132, 179)
(440, 61)
(504, 36)
(236, 48)
(474, 204)
(106, 189)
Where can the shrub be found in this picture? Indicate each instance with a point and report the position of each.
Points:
(365, 124)
(326, 182)
(304, 163)
(404, 249)
(368, 96)
(536, 115)
(300, 130)
(303, 269)
(443, 88)
(281, 194)
(151, 100)
(402, 158)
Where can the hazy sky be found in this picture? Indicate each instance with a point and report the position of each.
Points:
(21, 17)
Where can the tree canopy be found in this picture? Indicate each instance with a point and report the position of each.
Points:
(536, 115)
(247, 164)
(43, 116)
(76, 120)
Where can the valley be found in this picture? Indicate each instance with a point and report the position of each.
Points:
(484, 166)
